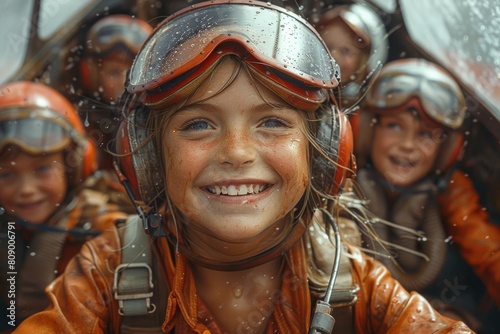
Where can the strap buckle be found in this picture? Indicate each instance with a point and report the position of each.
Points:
(133, 288)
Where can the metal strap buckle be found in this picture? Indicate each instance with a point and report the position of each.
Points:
(133, 298)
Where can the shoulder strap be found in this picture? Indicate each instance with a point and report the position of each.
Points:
(134, 281)
(39, 270)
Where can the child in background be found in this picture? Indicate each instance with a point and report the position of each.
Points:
(408, 136)
(356, 37)
(233, 153)
(49, 197)
(110, 47)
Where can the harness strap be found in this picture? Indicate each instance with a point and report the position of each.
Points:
(134, 281)
(39, 270)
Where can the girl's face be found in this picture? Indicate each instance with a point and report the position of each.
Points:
(32, 187)
(235, 165)
(404, 148)
(345, 47)
(112, 74)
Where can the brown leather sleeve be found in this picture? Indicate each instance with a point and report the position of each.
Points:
(81, 299)
(468, 223)
(384, 306)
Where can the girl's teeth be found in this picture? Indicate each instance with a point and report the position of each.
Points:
(231, 190)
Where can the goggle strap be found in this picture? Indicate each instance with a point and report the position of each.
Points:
(290, 96)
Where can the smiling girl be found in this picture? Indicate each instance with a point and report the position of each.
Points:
(409, 137)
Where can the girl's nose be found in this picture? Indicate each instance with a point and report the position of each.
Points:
(237, 148)
(408, 141)
(27, 185)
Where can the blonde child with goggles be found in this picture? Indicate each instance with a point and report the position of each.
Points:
(408, 139)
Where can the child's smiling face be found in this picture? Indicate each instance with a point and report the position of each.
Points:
(404, 148)
(32, 187)
(347, 49)
(235, 164)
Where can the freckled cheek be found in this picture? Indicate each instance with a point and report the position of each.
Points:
(181, 171)
(292, 164)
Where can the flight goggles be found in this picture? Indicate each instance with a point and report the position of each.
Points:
(117, 36)
(35, 131)
(288, 53)
(439, 95)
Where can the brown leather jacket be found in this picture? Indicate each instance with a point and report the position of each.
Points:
(468, 223)
(83, 301)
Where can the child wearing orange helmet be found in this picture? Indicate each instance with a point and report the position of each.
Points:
(408, 137)
(49, 195)
(110, 47)
(233, 149)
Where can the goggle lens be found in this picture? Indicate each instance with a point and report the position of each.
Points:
(441, 98)
(187, 40)
(129, 37)
(35, 134)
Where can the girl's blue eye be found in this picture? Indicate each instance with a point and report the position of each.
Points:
(393, 126)
(274, 123)
(6, 175)
(43, 169)
(426, 134)
(196, 125)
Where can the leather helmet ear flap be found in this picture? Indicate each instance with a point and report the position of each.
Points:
(346, 166)
(334, 138)
(88, 75)
(362, 122)
(85, 74)
(138, 157)
(89, 161)
(451, 150)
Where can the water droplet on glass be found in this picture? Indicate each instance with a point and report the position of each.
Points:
(237, 292)
(86, 122)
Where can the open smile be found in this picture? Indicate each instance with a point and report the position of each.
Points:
(406, 163)
(237, 190)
